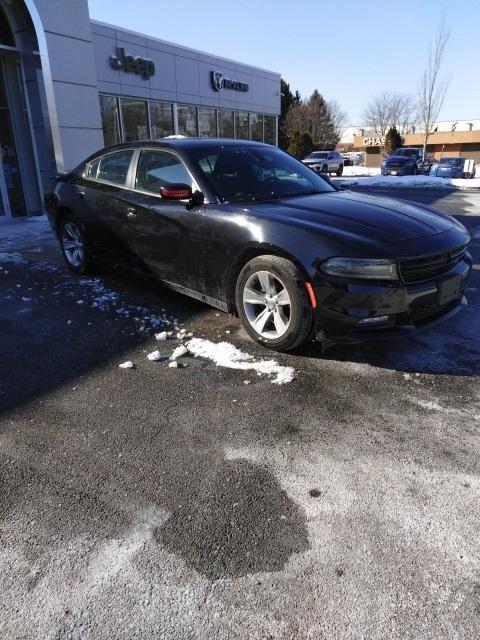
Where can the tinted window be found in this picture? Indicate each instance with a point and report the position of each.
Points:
(318, 155)
(92, 169)
(256, 173)
(157, 169)
(114, 167)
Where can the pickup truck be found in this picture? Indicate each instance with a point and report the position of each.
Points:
(406, 161)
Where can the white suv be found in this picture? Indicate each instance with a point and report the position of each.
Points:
(325, 162)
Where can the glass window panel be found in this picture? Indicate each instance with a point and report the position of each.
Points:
(241, 125)
(225, 123)
(157, 169)
(134, 118)
(92, 169)
(207, 122)
(187, 120)
(256, 127)
(110, 120)
(269, 130)
(114, 167)
(161, 119)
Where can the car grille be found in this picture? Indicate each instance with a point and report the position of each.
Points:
(420, 269)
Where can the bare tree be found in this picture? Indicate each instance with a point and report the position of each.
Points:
(338, 117)
(389, 110)
(432, 89)
(402, 112)
(376, 115)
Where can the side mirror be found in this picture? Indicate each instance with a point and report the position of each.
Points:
(177, 191)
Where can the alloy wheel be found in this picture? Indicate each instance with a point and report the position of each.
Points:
(73, 244)
(267, 304)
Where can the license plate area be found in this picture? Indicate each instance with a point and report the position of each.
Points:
(449, 290)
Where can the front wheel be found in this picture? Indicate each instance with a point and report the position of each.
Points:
(273, 304)
(340, 170)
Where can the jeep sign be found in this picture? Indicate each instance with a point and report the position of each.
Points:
(132, 64)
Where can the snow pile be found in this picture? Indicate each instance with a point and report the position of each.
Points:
(410, 182)
(224, 354)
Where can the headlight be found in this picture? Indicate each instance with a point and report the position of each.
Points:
(360, 268)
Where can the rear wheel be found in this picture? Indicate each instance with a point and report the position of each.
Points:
(340, 170)
(272, 303)
(75, 245)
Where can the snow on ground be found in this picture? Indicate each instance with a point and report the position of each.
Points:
(224, 354)
(408, 182)
(361, 171)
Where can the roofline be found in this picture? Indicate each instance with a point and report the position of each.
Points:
(180, 46)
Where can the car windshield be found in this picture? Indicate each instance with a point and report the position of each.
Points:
(242, 173)
(405, 152)
(452, 162)
(318, 155)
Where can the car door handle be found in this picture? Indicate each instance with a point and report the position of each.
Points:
(81, 194)
(131, 213)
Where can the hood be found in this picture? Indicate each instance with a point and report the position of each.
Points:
(377, 221)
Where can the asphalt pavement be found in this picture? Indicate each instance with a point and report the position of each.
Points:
(202, 502)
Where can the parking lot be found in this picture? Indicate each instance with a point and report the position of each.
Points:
(205, 502)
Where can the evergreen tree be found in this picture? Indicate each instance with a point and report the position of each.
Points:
(393, 140)
(313, 117)
(287, 100)
(300, 145)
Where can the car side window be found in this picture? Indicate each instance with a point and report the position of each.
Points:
(92, 169)
(159, 168)
(114, 167)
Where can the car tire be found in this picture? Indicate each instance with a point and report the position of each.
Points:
(324, 169)
(273, 304)
(75, 245)
(340, 170)
(415, 171)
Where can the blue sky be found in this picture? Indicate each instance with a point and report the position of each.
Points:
(349, 50)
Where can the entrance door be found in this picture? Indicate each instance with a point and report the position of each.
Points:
(12, 199)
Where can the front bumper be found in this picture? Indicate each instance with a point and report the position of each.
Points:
(397, 171)
(349, 311)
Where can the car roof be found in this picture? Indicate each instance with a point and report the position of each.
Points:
(184, 143)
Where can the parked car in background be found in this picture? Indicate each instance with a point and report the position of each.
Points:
(406, 161)
(353, 158)
(453, 168)
(245, 227)
(325, 162)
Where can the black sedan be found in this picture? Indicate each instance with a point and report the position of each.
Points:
(252, 231)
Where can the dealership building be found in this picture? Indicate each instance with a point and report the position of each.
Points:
(70, 85)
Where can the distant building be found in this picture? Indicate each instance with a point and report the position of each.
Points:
(457, 138)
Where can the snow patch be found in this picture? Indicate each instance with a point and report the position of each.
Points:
(126, 365)
(179, 352)
(224, 354)
(155, 356)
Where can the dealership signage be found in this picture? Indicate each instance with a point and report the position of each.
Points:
(219, 83)
(374, 142)
(132, 64)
